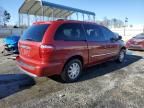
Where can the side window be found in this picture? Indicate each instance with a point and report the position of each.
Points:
(93, 33)
(70, 32)
(108, 34)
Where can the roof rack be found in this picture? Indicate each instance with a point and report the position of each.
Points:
(45, 11)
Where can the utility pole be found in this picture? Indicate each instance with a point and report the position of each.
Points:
(126, 21)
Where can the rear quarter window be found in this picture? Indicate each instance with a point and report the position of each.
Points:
(35, 33)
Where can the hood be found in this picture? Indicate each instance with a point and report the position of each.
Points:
(11, 40)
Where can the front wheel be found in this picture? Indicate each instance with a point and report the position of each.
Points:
(72, 71)
(121, 56)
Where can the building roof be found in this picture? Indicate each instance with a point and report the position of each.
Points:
(44, 8)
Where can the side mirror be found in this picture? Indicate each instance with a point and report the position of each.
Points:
(116, 39)
(119, 37)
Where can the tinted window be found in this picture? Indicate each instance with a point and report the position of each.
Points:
(140, 36)
(35, 33)
(108, 34)
(70, 32)
(93, 33)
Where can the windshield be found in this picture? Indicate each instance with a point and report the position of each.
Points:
(140, 36)
(35, 33)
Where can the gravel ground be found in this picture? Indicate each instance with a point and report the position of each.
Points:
(109, 85)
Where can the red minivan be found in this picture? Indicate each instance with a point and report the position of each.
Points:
(65, 47)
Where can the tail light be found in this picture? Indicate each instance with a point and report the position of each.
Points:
(46, 51)
(130, 41)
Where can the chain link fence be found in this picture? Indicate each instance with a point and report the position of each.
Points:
(10, 31)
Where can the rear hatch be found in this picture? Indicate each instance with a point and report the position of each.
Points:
(30, 42)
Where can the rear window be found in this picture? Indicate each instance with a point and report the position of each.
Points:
(35, 33)
(140, 36)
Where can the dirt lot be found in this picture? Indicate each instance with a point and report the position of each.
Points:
(109, 85)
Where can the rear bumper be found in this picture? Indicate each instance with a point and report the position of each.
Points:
(40, 69)
(28, 73)
(135, 47)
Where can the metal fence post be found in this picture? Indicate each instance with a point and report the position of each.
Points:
(94, 18)
(22, 19)
(11, 31)
(77, 16)
(52, 14)
(83, 16)
(43, 12)
(19, 20)
(28, 18)
(124, 30)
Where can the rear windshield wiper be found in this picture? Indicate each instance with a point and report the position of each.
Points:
(29, 39)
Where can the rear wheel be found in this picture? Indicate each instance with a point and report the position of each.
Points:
(121, 56)
(72, 71)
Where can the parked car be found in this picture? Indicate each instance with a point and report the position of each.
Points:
(136, 43)
(65, 47)
(10, 44)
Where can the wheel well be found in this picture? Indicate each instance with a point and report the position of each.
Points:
(75, 57)
(123, 48)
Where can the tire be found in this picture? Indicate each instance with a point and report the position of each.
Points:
(121, 56)
(72, 71)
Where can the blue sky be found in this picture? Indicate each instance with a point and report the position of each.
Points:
(133, 9)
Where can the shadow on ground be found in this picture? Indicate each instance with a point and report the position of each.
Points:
(108, 67)
(103, 69)
(12, 83)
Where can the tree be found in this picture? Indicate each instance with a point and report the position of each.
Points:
(116, 23)
(1, 15)
(131, 26)
(106, 22)
(4, 16)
